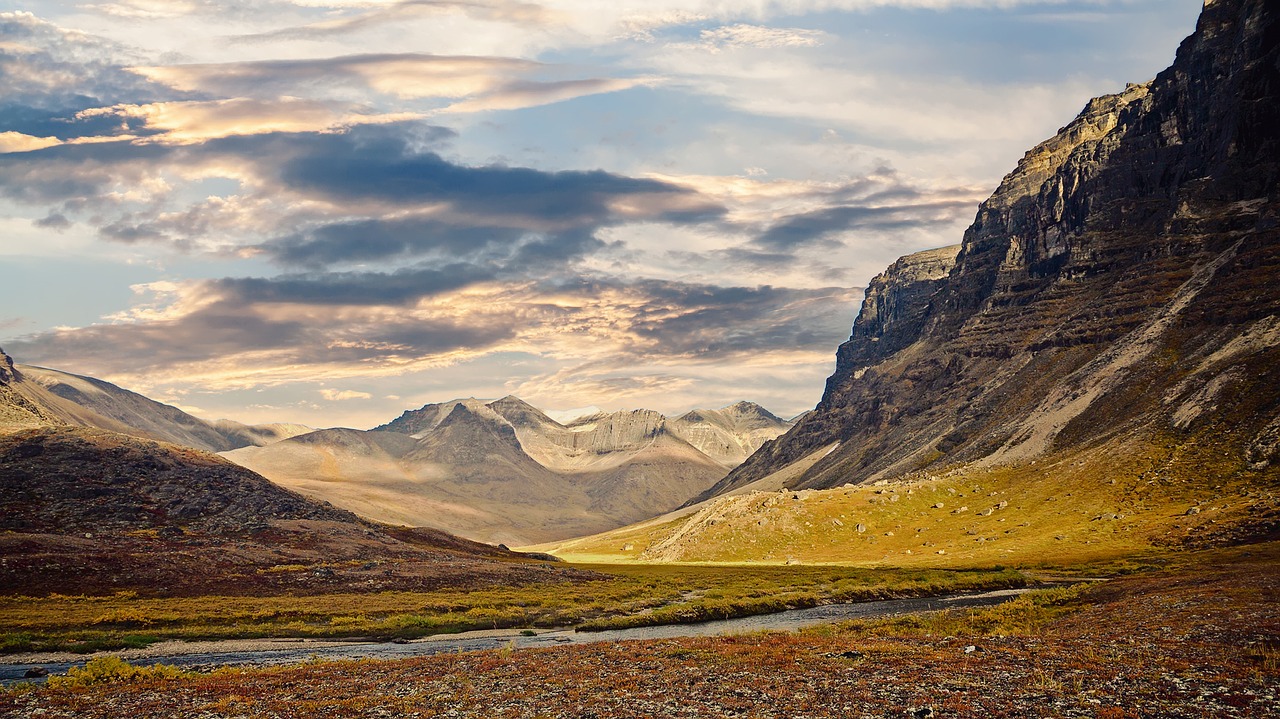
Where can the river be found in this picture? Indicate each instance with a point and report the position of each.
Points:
(294, 652)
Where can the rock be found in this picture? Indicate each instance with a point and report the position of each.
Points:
(1002, 504)
(861, 528)
(921, 713)
(35, 673)
(939, 505)
(1193, 510)
(628, 547)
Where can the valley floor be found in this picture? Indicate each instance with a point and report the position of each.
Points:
(1199, 640)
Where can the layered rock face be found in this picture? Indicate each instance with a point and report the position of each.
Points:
(1120, 283)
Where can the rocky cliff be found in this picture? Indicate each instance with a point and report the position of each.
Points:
(1118, 288)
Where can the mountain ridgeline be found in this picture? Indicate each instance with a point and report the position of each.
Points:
(504, 471)
(1116, 293)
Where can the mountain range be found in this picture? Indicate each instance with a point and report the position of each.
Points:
(88, 510)
(504, 471)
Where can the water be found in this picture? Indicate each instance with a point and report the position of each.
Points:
(790, 620)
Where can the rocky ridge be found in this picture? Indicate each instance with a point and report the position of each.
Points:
(1118, 285)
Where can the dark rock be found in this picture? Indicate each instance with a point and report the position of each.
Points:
(35, 673)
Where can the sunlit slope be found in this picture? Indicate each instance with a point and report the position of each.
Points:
(1112, 501)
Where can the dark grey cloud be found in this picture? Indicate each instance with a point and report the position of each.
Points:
(371, 164)
(818, 226)
(482, 214)
(48, 75)
(402, 287)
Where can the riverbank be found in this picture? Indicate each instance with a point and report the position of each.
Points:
(209, 655)
(637, 594)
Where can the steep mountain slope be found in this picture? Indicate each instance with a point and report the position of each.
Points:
(88, 402)
(1092, 372)
(1118, 284)
(506, 472)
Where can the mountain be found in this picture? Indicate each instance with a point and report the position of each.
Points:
(89, 511)
(505, 471)
(1104, 342)
(1118, 287)
(88, 402)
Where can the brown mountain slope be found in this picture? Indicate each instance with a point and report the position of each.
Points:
(89, 511)
(66, 398)
(1119, 285)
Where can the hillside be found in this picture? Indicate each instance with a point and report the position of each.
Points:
(88, 402)
(1090, 372)
(90, 511)
(506, 472)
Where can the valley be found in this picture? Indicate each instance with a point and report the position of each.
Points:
(1078, 400)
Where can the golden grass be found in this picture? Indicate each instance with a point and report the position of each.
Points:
(634, 595)
(1108, 505)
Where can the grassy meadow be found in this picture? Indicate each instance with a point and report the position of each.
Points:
(625, 596)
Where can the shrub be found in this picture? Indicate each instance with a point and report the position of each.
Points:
(112, 669)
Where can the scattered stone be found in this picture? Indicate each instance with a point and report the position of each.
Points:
(1002, 504)
(941, 551)
(939, 505)
(1193, 510)
(851, 654)
(973, 648)
(921, 713)
(960, 510)
(861, 528)
(628, 547)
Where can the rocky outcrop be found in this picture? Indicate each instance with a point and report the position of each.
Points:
(1124, 266)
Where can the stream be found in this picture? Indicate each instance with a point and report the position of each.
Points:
(296, 651)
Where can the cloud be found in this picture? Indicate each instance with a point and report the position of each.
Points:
(402, 75)
(524, 14)
(194, 121)
(731, 37)
(395, 198)
(335, 395)
(820, 225)
(256, 332)
(518, 95)
(18, 142)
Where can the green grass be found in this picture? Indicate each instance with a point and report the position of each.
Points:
(634, 596)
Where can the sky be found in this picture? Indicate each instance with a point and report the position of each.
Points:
(330, 211)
